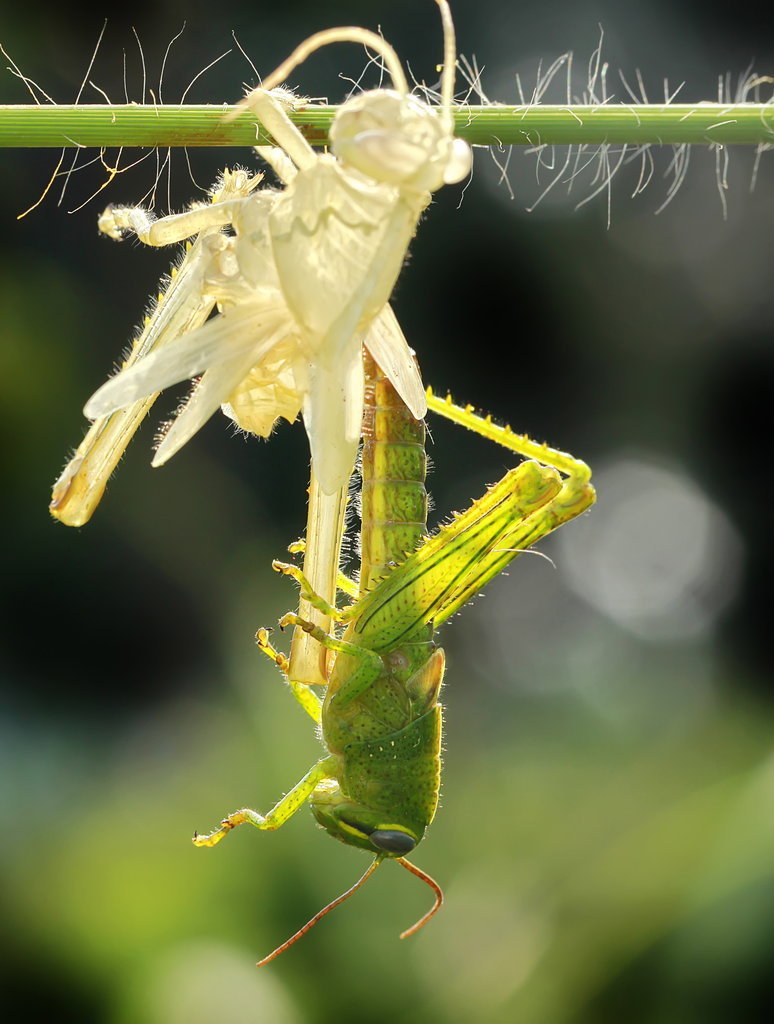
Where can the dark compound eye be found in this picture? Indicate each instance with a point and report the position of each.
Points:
(392, 840)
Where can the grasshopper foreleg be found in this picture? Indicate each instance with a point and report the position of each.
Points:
(227, 196)
(153, 231)
(271, 110)
(303, 693)
(280, 813)
(368, 668)
(309, 594)
(343, 582)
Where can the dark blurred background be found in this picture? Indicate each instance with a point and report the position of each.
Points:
(605, 837)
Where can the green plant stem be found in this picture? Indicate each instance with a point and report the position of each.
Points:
(50, 126)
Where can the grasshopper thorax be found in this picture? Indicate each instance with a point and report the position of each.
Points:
(397, 139)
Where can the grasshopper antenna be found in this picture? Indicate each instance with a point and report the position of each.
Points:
(346, 34)
(326, 910)
(449, 58)
(433, 885)
(351, 891)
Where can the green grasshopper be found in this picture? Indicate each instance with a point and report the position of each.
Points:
(380, 720)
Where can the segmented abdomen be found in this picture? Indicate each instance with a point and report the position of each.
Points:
(393, 468)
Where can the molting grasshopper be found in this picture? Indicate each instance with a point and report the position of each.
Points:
(380, 720)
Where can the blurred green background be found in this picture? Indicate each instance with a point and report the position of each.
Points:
(605, 838)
